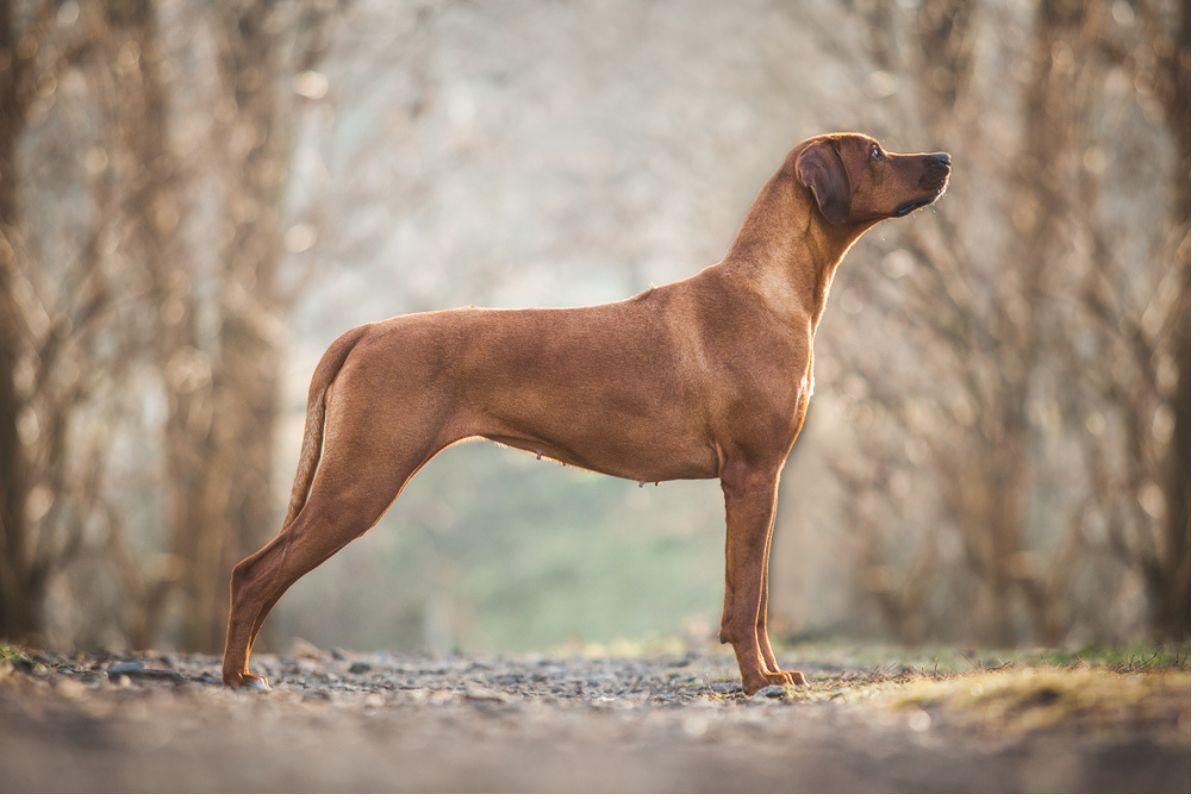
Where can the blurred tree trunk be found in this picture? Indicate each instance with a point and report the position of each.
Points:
(53, 355)
(986, 317)
(1171, 598)
(990, 482)
(1040, 178)
(253, 139)
(202, 427)
(253, 127)
(985, 469)
(156, 209)
(1171, 594)
(222, 404)
(1143, 368)
(17, 596)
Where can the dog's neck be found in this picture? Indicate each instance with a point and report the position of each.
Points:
(787, 252)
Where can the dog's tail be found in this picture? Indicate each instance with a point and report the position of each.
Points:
(314, 418)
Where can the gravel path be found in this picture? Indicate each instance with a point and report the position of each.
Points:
(343, 722)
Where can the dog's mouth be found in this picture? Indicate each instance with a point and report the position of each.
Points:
(907, 208)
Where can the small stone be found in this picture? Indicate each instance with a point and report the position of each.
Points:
(136, 669)
(22, 665)
(125, 667)
(359, 667)
(302, 649)
(480, 694)
(772, 691)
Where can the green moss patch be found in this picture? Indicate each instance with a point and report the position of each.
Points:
(9, 652)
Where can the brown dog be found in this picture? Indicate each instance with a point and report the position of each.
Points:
(709, 377)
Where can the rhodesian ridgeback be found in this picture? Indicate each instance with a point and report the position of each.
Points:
(708, 377)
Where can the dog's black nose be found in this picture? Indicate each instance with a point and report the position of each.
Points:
(941, 158)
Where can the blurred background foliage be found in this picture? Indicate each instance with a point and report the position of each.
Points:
(195, 198)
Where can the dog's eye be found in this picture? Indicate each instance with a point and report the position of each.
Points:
(876, 153)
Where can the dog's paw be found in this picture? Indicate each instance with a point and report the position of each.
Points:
(248, 680)
(754, 683)
(797, 677)
(258, 683)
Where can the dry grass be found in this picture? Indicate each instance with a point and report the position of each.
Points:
(1027, 699)
(1097, 691)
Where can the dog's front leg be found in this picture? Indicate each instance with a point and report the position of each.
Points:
(750, 493)
(764, 642)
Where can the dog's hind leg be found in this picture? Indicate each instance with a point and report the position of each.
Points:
(330, 519)
(363, 469)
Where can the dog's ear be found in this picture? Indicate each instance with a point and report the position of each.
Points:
(819, 168)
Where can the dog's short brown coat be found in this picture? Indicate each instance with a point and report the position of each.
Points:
(708, 377)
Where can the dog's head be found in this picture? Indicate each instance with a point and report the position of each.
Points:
(856, 182)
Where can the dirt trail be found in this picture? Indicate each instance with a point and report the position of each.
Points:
(340, 722)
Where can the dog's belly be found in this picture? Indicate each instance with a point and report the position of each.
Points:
(600, 388)
(614, 423)
(658, 459)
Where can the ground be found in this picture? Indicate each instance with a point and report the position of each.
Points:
(874, 719)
